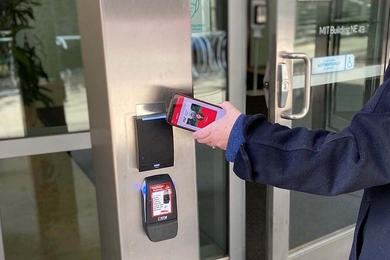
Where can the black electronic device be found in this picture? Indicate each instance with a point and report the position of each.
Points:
(159, 207)
(154, 142)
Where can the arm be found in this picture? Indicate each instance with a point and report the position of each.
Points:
(319, 162)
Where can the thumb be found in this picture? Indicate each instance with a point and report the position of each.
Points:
(226, 105)
(199, 134)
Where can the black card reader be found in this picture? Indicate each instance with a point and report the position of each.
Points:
(159, 207)
(154, 143)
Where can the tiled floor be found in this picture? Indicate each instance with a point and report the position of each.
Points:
(48, 209)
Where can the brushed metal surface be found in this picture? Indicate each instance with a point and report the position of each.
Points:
(307, 85)
(44, 144)
(137, 52)
(237, 22)
(281, 38)
(336, 245)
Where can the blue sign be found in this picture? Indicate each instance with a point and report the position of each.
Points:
(331, 64)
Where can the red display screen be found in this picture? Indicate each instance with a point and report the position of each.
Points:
(194, 114)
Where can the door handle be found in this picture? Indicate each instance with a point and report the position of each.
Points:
(307, 89)
(284, 84)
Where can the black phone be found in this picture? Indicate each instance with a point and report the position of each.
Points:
(192, 114)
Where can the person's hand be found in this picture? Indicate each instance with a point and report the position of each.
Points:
(217, 133)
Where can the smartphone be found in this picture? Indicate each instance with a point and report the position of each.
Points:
(192, 114)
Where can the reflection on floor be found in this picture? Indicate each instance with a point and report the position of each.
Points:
(212, 201)
(48, 209)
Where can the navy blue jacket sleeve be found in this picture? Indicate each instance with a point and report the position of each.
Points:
(319, 161)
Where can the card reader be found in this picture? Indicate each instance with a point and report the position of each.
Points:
(159, 207)
(154, 142)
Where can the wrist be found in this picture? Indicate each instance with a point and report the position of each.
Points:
(236, 138)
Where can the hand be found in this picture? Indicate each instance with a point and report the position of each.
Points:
(217, 133)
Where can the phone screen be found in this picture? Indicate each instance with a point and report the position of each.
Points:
(193, 114)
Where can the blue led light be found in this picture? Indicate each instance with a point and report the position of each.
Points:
(144, 189)
(154, 117)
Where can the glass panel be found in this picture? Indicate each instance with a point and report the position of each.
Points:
(48, 207)
(42, 87)
(334, 32)
(209, 84)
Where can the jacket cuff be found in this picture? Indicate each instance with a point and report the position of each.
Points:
(236, 138)
(242, 164)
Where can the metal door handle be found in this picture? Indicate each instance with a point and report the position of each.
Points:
(284, 84)
(306, 99)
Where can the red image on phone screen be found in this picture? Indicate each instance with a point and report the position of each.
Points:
(193, 114)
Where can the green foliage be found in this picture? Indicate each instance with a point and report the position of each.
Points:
(15, 18)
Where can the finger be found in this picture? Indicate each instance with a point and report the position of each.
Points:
(207, 139)
(200, 134)
(209, 142)
(210, 139)
(204, 141)
(197, 134)
(225, 105)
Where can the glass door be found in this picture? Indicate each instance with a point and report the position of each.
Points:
(332, 54)
(48, 207)
(209, 77)
(46, 160)
(220, 198)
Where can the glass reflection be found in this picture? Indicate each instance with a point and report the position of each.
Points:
(355, 28)
(42, 87)
(48, 207)
(11, 120)
(209, 68)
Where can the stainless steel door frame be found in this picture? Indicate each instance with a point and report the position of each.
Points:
(136, 52)
(95, 56)
(281, 39)
(2, 254)
(44, 144)
(386, 39)
(332, 246)
(282, 28)
(237, 35)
